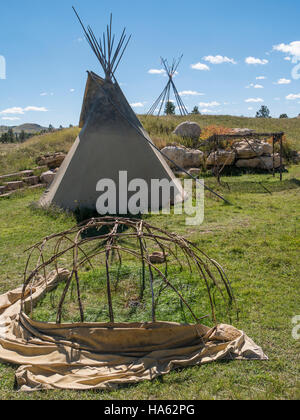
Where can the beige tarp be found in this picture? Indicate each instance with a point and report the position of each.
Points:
(102, 356)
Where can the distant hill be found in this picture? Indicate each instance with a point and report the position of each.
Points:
(28, 128)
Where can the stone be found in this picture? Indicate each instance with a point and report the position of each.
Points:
(51, 161)
(31, 180)
(183, 157)
(14, 185)
(47, 177)
(3, 189)
(194, 171)
(267, 148)
(264, 162)
(189, 130)
(221, 157)
(158, 257)
(242, 131)
(249, 150)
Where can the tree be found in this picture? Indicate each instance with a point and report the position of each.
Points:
(283, 116)
(10, 136)
(170, 108)
(195, 110)
(22, 136)
(50, 127)
(264, 112)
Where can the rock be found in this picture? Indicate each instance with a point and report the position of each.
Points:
(267, 148)
(3, 189)
(242, 131)
(295, 156)
(189, 130)
(158, 257)
(51, 161)
(183, 157)
(14, 185)
(264, 162)
(221, 157)
(47, 177)
(249, 150)
(31, 180)
(180, 173)
(194, 171)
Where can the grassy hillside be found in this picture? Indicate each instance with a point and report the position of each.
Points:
(23, 156)
(19, 157)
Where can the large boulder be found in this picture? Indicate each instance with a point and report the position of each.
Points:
(267, 148)
(263, 162)
(242, 131)
(250, 149)
(183, 157)
(221, 157)
(189, 130)
(51, 161)
(47, 177)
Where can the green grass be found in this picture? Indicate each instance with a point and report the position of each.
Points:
(257, 240)
(15, 158)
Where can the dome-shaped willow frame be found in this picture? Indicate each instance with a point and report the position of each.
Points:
(107, 236)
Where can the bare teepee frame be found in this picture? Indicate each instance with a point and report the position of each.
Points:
(108, 57)
(164, 97)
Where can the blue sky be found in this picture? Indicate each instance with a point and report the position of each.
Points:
(237, 55)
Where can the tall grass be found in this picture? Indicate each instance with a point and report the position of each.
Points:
(161, 129)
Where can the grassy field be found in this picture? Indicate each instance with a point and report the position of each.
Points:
(256, 239)
(15, 158)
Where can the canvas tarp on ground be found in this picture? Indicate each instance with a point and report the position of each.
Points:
(103, 356)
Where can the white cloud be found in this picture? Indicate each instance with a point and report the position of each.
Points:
(10, 118)
(72, 90)
(287, 58)
(200, 66)
(253, 60)
(292, 97)
(44, 94)
(219, 59)
(209, 104)
(137, 105)
(283, 82)
(250, 108)
(261, 78)
(156, 71)
(254, 100)
(18, 110)
(293, 48)
(14, 110)
(255, 86)
(276, 99)
(206, 110)
(190, 93)
(35, 108)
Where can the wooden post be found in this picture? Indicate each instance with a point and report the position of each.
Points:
(274, 140)
(281, 153)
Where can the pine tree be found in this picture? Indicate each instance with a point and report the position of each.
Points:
(170, 108)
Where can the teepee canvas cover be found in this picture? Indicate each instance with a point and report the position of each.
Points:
(112, 140)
